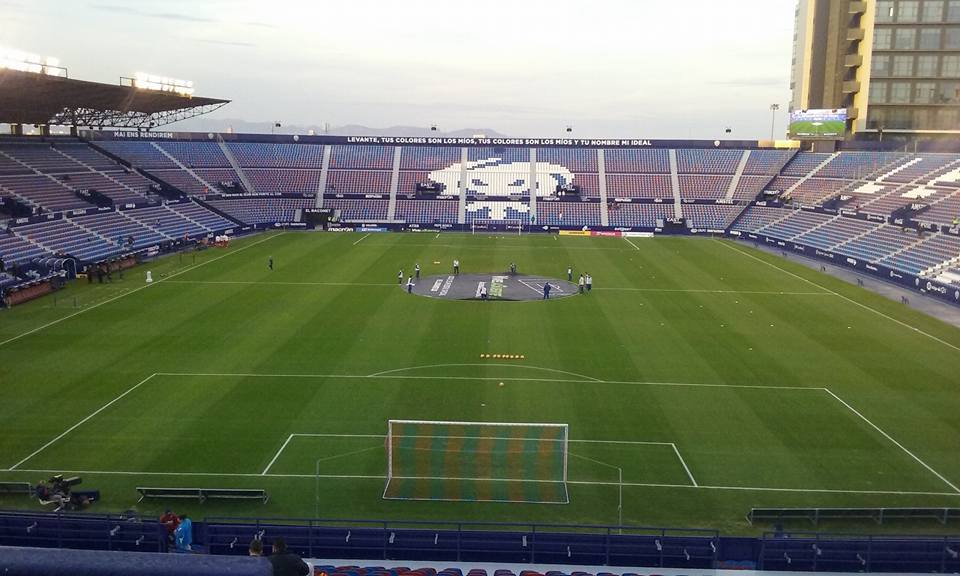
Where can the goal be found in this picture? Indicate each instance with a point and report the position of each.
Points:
(509, 225)
(477, 461)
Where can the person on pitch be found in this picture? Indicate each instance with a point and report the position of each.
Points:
(416, 270)
(409, 284)
(546, 291)
(456, 266)
(270, 262)
(589, 281)
(569, 273)
(400, 276)
(581, 283)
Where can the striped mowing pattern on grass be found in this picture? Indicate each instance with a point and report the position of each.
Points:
(467, 461)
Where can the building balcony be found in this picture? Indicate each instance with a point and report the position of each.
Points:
(854, 34)
(853, 61)
(857, 8)
(851, 87)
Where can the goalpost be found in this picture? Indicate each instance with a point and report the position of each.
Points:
(511, 224)
(477, 461)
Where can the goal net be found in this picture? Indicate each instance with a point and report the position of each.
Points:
(476, 461)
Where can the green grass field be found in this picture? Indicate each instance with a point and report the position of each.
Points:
(715, 376)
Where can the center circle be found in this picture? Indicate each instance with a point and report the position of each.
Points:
(498, 286)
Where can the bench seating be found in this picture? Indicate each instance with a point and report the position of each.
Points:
(814, 515)
(203, 494)
(16, 488)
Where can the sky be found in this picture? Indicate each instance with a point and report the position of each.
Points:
(525, 68)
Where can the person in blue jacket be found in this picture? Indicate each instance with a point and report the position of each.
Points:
(183, 535)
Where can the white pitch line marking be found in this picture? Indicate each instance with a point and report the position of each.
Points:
(135, 290)
(635, 247)
(890, 438)
(78, 424)
(685, 467)
(277, 455)
(250, 282)
(864, 306)
(386, 372)
(575, 482)
(360, 240)
(705, 291)
(487, 378)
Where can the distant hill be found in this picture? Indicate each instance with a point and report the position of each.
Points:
(245, 127)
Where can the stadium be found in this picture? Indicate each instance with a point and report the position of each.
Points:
(473, 354)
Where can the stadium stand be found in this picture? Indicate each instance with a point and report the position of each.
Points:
(196, 213)
(183, 181)
(62, 236)
(639, 186)
(920, 168)
(804, 163)
(577, 160)
(117, 227)
(766, 162)
(362, 157)
(262, 210)
(197, 154)
(637, 161)
(945, 209)
(749, 187)
(498, 210)
(641, 215)
(703, 187)
(428, 158)
(796, 224)
(358, 182)
(708, 161)
(560, 213)
(505, 155)
(103, 183)
(140, 154)
(260, 155)
(757, 217)
(711, 216)
(42, 191)
(857, 165)
(168, 222)
(589, 184)
(284, 181)
(17, 250)
(428, 211)
(838, 231)
(358, 209)
(934, 251)
(879, 243)
(814, 191)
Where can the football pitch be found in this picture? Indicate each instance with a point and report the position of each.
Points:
(699, 378)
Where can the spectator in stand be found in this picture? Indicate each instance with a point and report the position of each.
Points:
(286, 563)
(170, 521)
(3, 265)
(256, 547)
(183, 535)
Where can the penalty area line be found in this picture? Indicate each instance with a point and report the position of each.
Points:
(80, 423)
(361, 239)
(890, 438)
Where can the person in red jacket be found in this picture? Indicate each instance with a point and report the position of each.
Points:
(171, 521)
